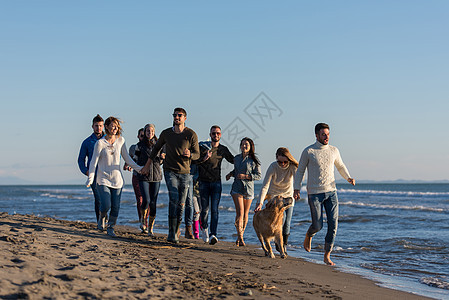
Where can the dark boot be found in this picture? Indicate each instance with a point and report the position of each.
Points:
(177, 229)
(111, 225)
(101, 225)
(189, 233)
(285, 238)
(172, 230)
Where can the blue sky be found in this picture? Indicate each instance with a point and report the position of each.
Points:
(376, 72)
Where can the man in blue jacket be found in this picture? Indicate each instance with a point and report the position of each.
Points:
(87, 149)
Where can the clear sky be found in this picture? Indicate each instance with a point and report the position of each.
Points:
(376, 71)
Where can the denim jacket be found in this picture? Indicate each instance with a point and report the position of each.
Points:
(245, 165)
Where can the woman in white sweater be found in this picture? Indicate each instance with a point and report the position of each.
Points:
(106, 163)
(278, 181)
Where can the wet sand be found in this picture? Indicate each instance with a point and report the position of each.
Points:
(56, 259)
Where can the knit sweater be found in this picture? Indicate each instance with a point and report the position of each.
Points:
(319, 160)
(278, 181)
(175, 144)
(107, 157)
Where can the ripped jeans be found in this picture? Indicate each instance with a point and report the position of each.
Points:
(178, 187)
(328, 201)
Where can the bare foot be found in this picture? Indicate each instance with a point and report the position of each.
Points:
(307, 243)
(327, 259)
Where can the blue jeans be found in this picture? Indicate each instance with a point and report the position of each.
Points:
(210, 191)
(178, 186)
(96, 198)
(109, 199)
(149, 191)
(287, 220)
(189, 204)
(329, 201)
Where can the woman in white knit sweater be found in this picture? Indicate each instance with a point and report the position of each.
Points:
(106, 163)
(278, 181)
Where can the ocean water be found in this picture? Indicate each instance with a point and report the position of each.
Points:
(396, 234)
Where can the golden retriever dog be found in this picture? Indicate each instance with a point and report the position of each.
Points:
(268, 224)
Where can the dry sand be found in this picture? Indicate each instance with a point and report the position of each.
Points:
(53, 259)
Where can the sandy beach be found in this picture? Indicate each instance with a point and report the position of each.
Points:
(56, 259)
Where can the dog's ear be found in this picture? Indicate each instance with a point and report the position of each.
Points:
(270, 204)
(288, 201)
(280, 202)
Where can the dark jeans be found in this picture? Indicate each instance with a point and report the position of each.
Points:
(178, 186)
(149, 191)
(96, 198)
(210, 194)
(189, 204)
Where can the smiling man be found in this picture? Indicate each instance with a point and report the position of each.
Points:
(319, 159)
(209, 168)
(181, 147)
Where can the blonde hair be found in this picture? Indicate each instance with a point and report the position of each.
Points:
(282, 151)
(113, 120)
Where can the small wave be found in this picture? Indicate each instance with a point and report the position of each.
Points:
(49, 195)
(393, 206)
(392, 193)
(354, 219)
(417, 244)
(377, 268)
(440, 283)
(226, 208)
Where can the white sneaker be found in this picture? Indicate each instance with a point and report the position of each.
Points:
(205, 235)
(213, 240)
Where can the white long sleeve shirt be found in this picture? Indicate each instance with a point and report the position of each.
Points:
(319, 160)
(107, 157)
(278, 181)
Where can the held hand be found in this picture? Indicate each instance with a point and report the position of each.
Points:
(186, 153)
(296, 194)
(208, 155)
(243, 176)
(351, 181)
(145, 170)
(228, 176)
(162, 156)
(258, 207)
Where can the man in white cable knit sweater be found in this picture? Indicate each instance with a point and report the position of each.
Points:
(319, 159)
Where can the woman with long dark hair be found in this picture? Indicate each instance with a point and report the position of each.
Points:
(246, 171)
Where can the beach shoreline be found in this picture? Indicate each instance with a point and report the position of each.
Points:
(44, 257)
